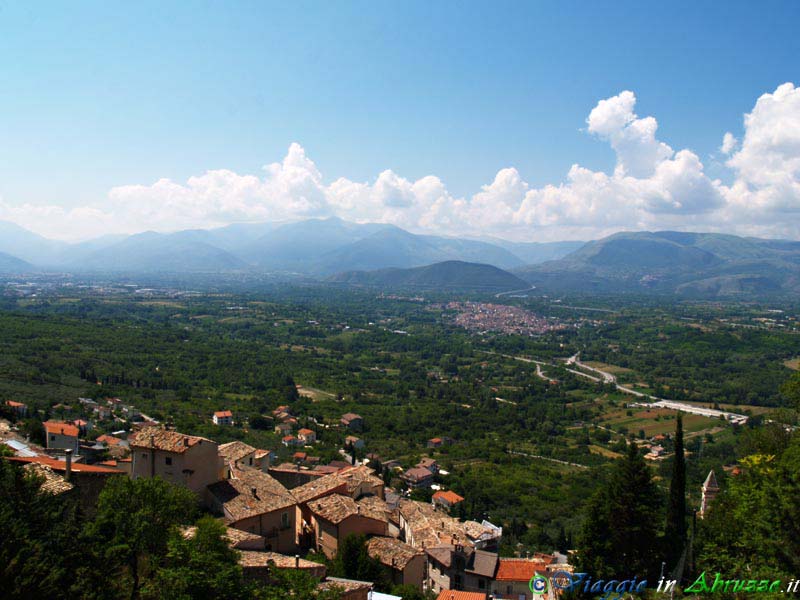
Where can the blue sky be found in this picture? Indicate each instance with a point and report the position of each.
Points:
(99, 95)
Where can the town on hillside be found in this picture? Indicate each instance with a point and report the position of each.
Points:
(291, 515)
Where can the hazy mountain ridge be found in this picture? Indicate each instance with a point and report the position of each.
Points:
(536, 252)
(11, 264)
(666, 262)
(315, 247)
(451, 274)
(693, 264)
(153, 252)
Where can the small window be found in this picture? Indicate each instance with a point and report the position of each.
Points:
(52, 438)
(481, 584)
(168, 460)
(285, 519)
(144, 455)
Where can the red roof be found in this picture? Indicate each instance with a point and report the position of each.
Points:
(13, 404)
(223, 413)
(436, 440)
(289, 438)
(109, 439)
(448, 496)
(60, 465)
(60, 428)
(305, 431)
(455, 595)
(513, 569)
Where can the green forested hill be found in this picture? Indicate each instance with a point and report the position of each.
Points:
(450, 275)
(688, 264)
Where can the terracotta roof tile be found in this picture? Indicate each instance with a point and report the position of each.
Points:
(61, 428)
(237, 497)
(164, 439)
(60, 465)
(519, 569)
(392, 552)
(109, 440)
(52, 482)
(431, 527)
(448, 496)
(346, 481)
(417, 474)
(336, 508)
(233, 451)
(456, 595)
(250, 558)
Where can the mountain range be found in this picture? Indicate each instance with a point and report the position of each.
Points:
(664, 262)
(316, 247)
(686, 264)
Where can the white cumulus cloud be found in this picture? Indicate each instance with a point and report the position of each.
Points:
(767, 165)
(729, 142)
(652, 186)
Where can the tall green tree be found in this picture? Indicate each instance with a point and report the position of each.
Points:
(294, 584)
(754, 524)
(132, 526)
(354, 562)
(675, 530)
(619, 536)
(39, 548)
(791, 389)
(202, 567)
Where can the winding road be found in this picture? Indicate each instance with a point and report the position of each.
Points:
(608, 378)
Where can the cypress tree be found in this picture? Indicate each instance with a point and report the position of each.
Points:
(619, 535)
(675, 530)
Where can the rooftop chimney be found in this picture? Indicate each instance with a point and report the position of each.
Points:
(186, 442)
(296, 561)
(68, 468)
(255, 493)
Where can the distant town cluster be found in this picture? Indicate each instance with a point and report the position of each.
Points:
(482, 317)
